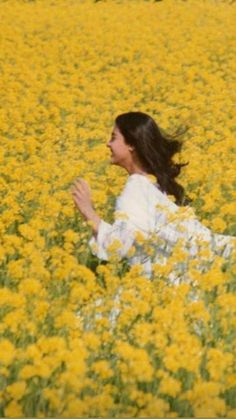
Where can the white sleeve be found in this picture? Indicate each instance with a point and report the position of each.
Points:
(120, 234)
(131, 209)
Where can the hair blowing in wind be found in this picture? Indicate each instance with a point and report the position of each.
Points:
(154, 150)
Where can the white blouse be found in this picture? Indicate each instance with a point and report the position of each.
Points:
(143, 207)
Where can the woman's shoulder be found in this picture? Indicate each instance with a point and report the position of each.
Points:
(149, 187)
(135, 179)
(135, 187)
(139, 181)
(142, 197)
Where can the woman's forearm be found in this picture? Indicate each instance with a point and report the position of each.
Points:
(94, 219)
(82, 198)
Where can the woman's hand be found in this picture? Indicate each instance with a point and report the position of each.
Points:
(82, 198)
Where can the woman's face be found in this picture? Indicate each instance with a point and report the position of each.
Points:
(121, 153)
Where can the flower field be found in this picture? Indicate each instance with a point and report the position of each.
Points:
(68, 68)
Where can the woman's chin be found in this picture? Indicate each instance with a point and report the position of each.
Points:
(115, 161)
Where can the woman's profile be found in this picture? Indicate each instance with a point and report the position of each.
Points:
(138, 145)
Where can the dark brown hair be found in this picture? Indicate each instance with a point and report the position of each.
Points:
(154, 150)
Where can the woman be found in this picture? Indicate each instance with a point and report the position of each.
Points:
(138, 146)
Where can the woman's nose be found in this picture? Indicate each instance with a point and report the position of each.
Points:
(108, 144)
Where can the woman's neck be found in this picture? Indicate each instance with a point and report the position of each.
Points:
(134, 166)
(138, 172)
(135, 169)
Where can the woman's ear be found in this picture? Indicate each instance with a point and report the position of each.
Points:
(131, 148)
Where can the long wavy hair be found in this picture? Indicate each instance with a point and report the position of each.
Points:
(154, 151)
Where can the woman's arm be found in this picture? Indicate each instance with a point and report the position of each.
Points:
(130, 216)
(83, 201)
(121, 234)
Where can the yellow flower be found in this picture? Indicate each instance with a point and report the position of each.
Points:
(103, 369)
(139, 366)
(218, 224)
(42, 369)
(31, 286)
(66, 318)
(91, 340)
(212, 408)
(131, 252)
(218, 362)
(143, 332)
(202, 392)
(7, 352)
(71, 236)
(53, 396)
(16, 390)
(170, 386)
(231, 413)
(41, 310)
(140, 238)
(51, 344)
(16, 268)
(198, 311)
(114, 246)
(13, 409)
(75, 407)
(152, 178)
(157, 407)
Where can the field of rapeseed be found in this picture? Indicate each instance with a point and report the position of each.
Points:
(67, 69)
